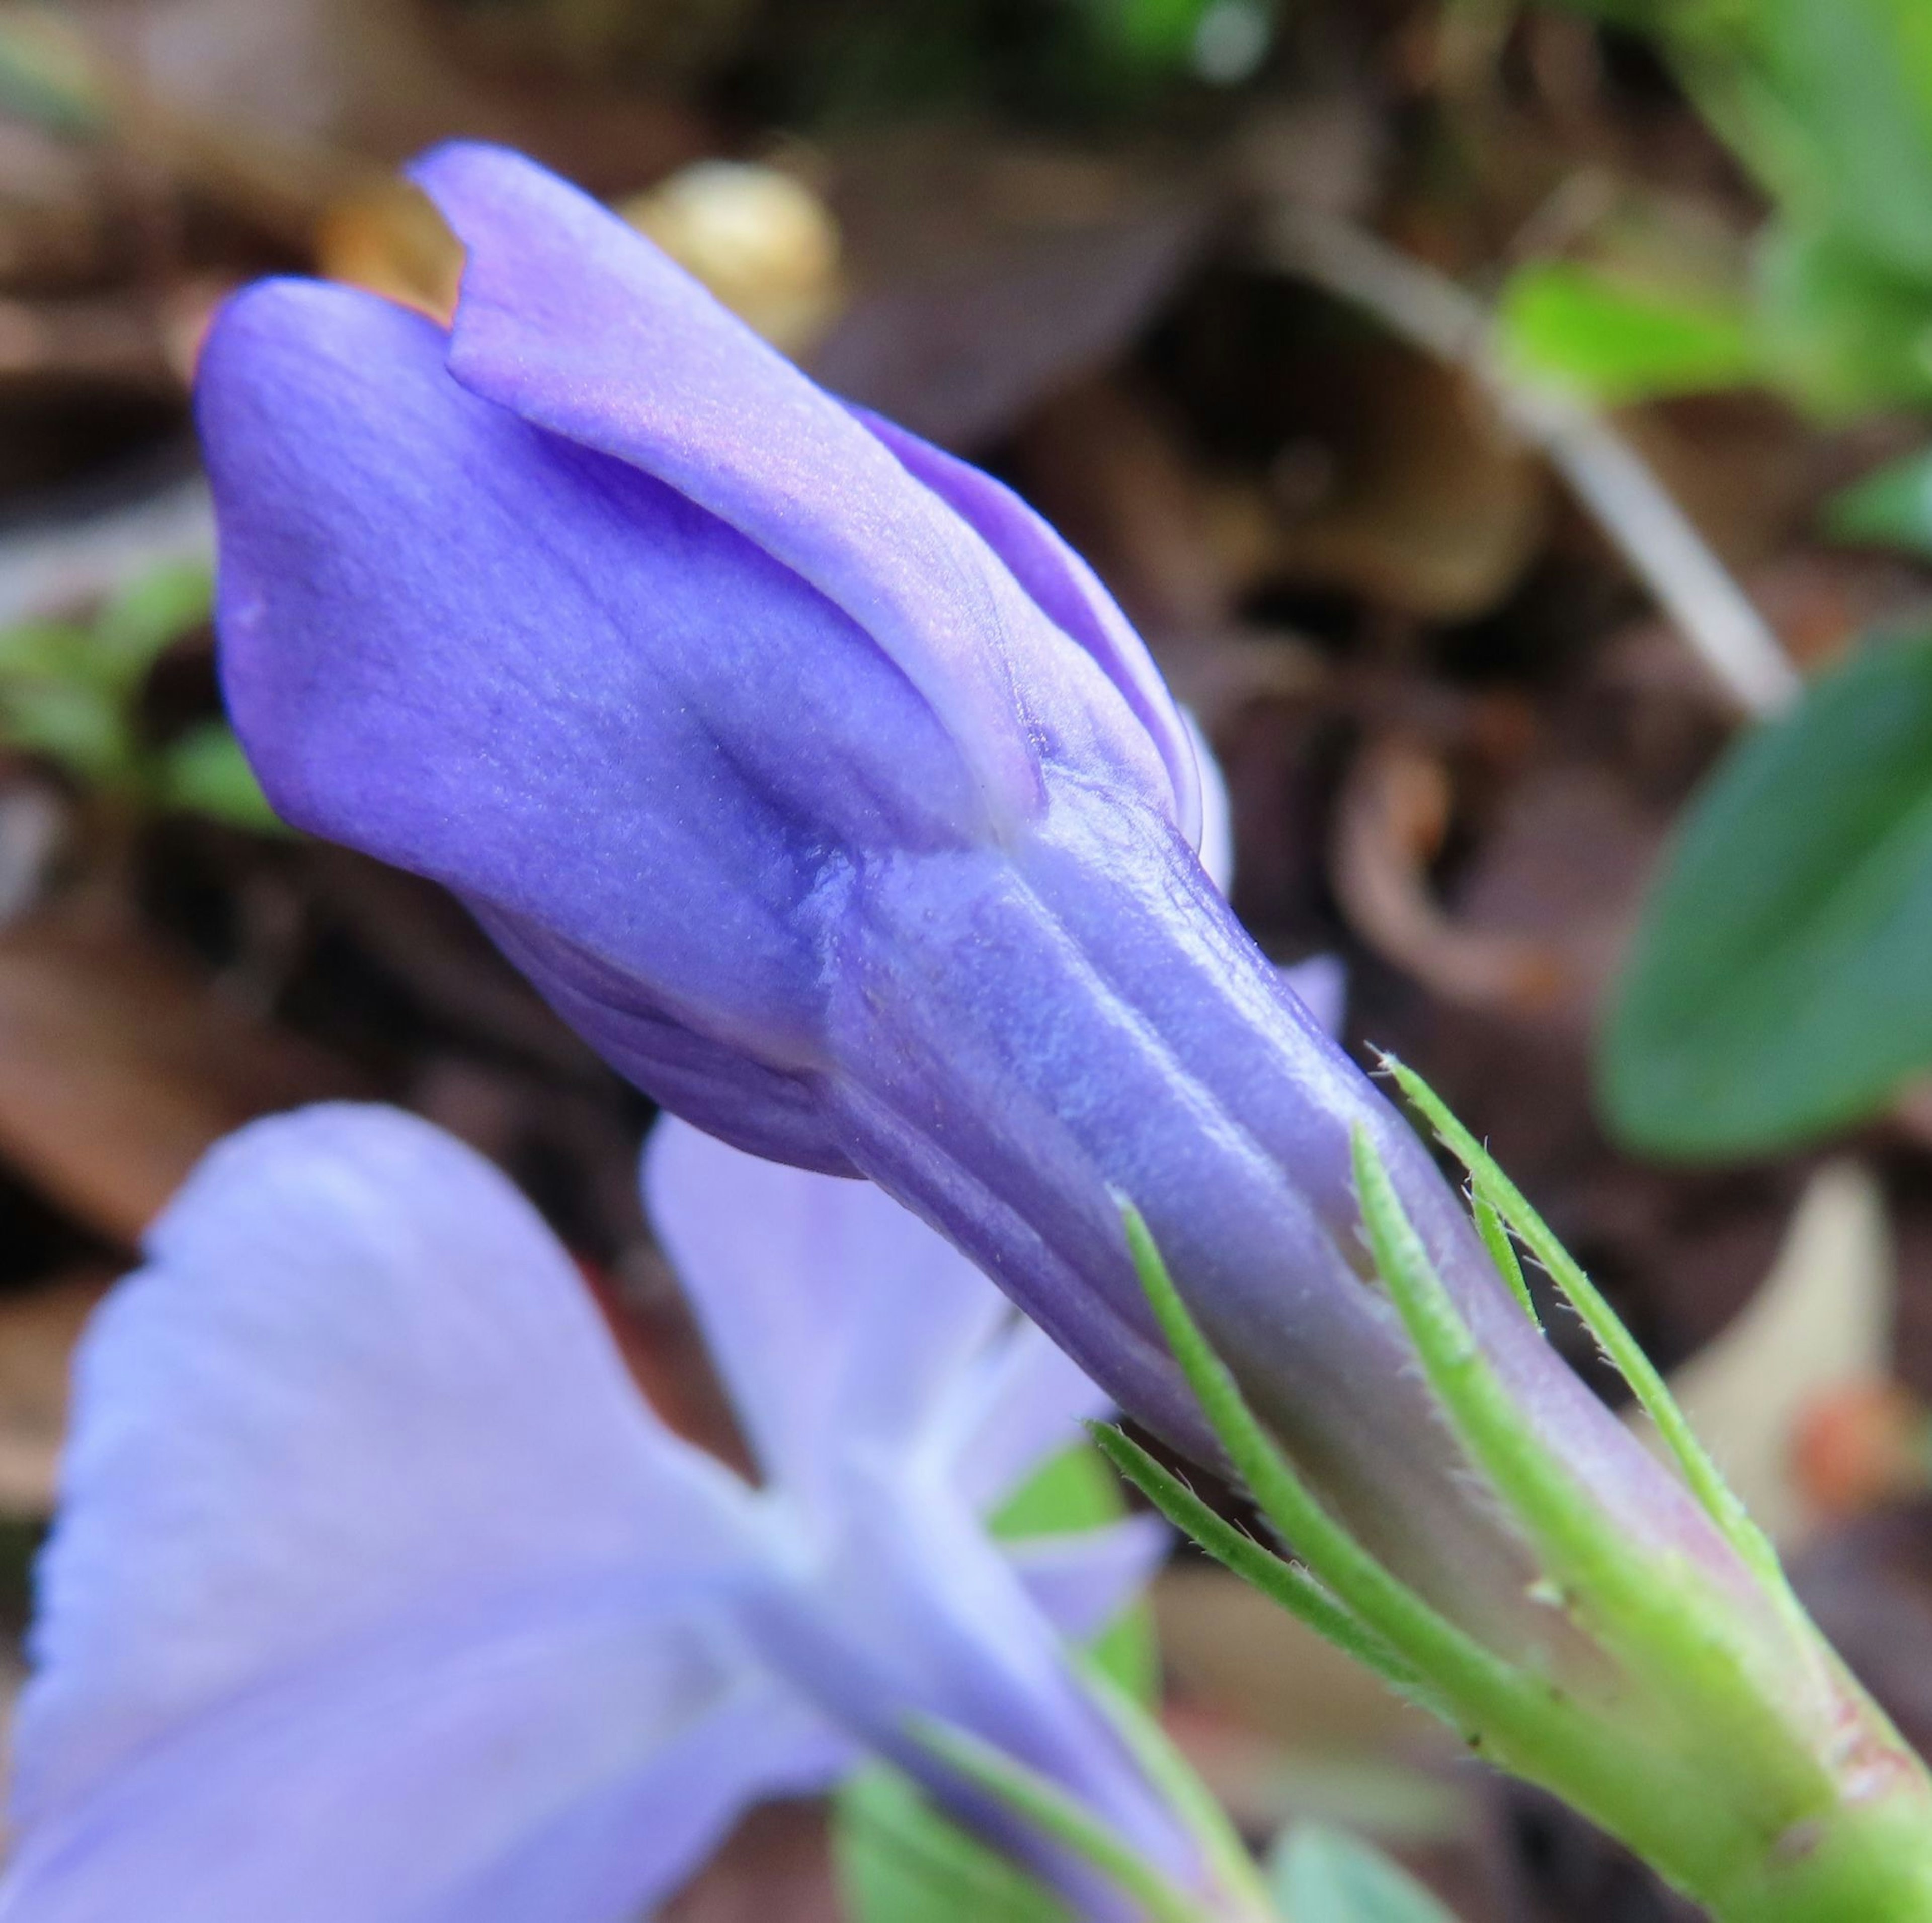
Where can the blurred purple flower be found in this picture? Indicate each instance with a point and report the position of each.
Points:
(378, 1592)
(818, 784)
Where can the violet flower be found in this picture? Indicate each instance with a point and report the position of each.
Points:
(378, 1592)
(812, 777)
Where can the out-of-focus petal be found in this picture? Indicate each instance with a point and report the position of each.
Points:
(839, 1320)
(1321, 983)
(1026, 1401)
(568, 1754)
(1081, 1581)
(358, 1381)
(571, 319)
(879, 1642)
(1070, 594)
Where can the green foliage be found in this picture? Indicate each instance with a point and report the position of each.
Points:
(1838, 329)
(72, 692)
(1778, 986)
(1320, 1875)
(1891, 507)
(898, 1861)
(204, 772)
(1618, 341)
(1829, 103)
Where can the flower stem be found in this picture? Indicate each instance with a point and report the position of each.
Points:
(1733, 1751)
(1872, 1861)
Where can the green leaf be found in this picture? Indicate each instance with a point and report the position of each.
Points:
(71, 722)
(1778, 987)
(1617, 341)
(899, 1861)
(206, 773)
(148, 616)
(1839, 97)
(1069, 1492)
(1321, 1875)
(1840, 330)
(1891, 507)
(43, 650)
(1829, 103)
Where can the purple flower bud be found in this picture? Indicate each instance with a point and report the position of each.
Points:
(824, 790)
(379, 1593)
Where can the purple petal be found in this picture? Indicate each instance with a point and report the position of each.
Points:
(1069, 594)
(838, 1318)
(1081, 1581)
(537, 676)
(1025, 1403)
(358, 1382)
(571, 1754)
(572, 320)
(1321, 984)
(878, 1642)
(1215, 843)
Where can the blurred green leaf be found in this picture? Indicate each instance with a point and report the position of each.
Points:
(899, 1861)
(1618, 342)
(1073, 1490)
(1321, 1875)
(1836, 97)
(1840, 330)
(1778, 986)
(46, 77)
(71, 722)
(44, 650)
(1218, 41)
(1891, 508)
(1160, 32)
(1829, 103)
(147, 617)
(206, 773)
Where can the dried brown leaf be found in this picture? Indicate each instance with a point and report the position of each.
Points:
(120, 1064)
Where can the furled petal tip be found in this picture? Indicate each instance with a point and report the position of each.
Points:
(599, 612)
(573, 324)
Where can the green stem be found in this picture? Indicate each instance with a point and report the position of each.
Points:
(1736, 1756)
(1865, 1863)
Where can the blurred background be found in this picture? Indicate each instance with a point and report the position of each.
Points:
(1488, 411)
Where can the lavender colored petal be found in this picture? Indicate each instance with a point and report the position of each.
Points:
(1215, 843)
(1070, 594)
(879, 1642)
(572, 320)
(1321, 985)
(357, 1380)
(1082, 1581)
(533, 674)
(1024, 1402)
(570, 1754)
(838, 1318)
